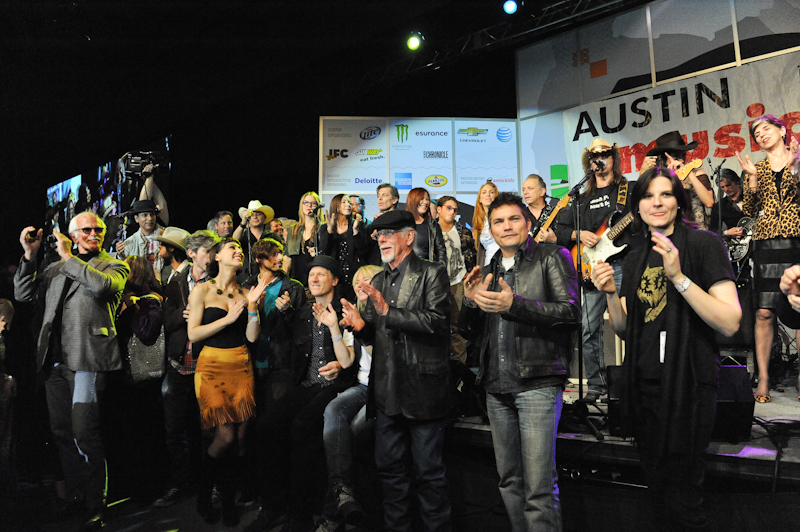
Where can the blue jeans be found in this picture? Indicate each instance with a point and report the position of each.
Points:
(594, 306)
(524, 428)
(345, 416)
(395, 437)
(75, 422)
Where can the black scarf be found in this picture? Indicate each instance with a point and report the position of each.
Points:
(678, 410)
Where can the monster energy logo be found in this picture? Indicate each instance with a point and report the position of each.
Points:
(402, 132)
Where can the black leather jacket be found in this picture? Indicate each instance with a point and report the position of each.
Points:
(437, 252)
(409, 364)
(545, 310)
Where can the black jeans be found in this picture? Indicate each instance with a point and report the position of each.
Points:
(182, 424)
(675, 482)
(289, 447)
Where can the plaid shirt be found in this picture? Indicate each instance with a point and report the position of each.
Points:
(189, 362)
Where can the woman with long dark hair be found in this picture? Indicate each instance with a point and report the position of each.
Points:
(429, 240)
(301, 238)
(342, 239)
(224, 374)
(771, 188)
(675, 295)
(484, 240)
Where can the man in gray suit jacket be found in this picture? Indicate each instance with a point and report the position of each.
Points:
(77, 344)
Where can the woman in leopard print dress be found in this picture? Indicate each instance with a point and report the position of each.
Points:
(771, 197)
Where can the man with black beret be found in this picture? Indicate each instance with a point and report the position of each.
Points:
(407, 321)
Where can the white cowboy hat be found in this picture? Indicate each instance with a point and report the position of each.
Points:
(255, 205)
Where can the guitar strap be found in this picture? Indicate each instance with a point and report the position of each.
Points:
(622, 195)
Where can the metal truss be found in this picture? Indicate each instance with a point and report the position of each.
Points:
(552, 19)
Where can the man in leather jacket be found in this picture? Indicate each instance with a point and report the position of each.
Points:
(407, 320)
(521, 315)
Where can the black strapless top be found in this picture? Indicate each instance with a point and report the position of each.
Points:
(231, 336)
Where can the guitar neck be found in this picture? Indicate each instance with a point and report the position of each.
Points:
(620, 226)
(561, 203)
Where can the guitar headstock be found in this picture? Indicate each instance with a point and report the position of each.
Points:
(687, 168)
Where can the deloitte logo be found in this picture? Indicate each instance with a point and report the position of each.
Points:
(370, 133)
(402, 132)
(504, 134)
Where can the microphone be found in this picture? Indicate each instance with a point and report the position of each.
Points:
(318, 207)
(601, 164)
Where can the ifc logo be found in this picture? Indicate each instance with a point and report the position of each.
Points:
(504, 134)
(370, 133)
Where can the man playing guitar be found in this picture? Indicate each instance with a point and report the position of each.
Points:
(606, 193)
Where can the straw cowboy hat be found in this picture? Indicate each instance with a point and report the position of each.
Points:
(598, 146)
(255, 205)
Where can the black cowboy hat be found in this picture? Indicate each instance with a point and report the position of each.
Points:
(671, 141)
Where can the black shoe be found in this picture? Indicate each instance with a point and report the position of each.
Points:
(247, 498)
(230, 513)
(329, 525)
(347, 504)
(172, 496)
(265, 520)
(590, 397)
(96, 521)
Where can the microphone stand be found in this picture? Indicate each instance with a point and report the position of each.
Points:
(580, 408)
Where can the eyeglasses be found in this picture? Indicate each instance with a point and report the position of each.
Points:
(385, 233)
(310, 203)
(450, 208)
(602, 155)
(88, 230)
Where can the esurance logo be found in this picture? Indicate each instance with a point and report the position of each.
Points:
(370, 133)
(402, 132)
(436, 180)
(472, 131)
(333, 154)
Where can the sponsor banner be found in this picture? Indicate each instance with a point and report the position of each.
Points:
(354, 154)
(421, 154)
(485, 149)
(714, 109)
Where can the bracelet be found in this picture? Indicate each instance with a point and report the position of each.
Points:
(252, 313)
(243, 226)
(253, 319)
(684, 285)
(9, 378)
(336, 338)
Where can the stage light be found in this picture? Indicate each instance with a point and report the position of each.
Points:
(510, 7)
(415, 40)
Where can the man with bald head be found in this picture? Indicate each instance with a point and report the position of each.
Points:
(77, 345)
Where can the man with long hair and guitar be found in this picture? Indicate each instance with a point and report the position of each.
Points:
(604, 226)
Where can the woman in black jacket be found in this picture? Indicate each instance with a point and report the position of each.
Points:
(429, 241)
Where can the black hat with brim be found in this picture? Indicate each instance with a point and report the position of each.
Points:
(392, 220)
(324, 261)
(141, 206)
(671, 141)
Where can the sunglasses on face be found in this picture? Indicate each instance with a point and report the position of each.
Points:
(88, 230)
(385, 233)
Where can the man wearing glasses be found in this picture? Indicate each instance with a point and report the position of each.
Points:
(461, 258)
(77, 344)
(605, 193)
(407, 320)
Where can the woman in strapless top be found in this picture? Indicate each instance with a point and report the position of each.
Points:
(223, 380)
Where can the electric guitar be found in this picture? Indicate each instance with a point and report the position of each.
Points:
(605, 248)
(684, 171)
(561, 203)
(738, 248)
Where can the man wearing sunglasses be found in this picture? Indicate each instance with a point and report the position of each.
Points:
(77, 345)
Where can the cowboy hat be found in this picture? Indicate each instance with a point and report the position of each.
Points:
(671, 141)
(598, 145)
(255, 205)
(174, 237)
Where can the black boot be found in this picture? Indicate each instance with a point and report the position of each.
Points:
(209, 475)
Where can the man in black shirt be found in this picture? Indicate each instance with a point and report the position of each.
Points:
(605, 194)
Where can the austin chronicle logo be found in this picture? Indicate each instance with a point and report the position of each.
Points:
(402, 132)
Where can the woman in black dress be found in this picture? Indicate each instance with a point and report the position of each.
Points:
(342, 239)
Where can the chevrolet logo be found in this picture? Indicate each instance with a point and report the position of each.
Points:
(472, 131)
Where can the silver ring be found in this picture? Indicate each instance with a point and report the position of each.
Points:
(669, 250)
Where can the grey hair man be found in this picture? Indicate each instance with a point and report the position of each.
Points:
(79, 293)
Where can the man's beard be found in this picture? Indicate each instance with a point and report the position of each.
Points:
(387, 259)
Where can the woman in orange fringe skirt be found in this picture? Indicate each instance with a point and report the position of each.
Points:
(223, 380)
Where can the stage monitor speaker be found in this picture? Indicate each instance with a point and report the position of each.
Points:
(614, 376)
(735, 405)
(744, 337)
